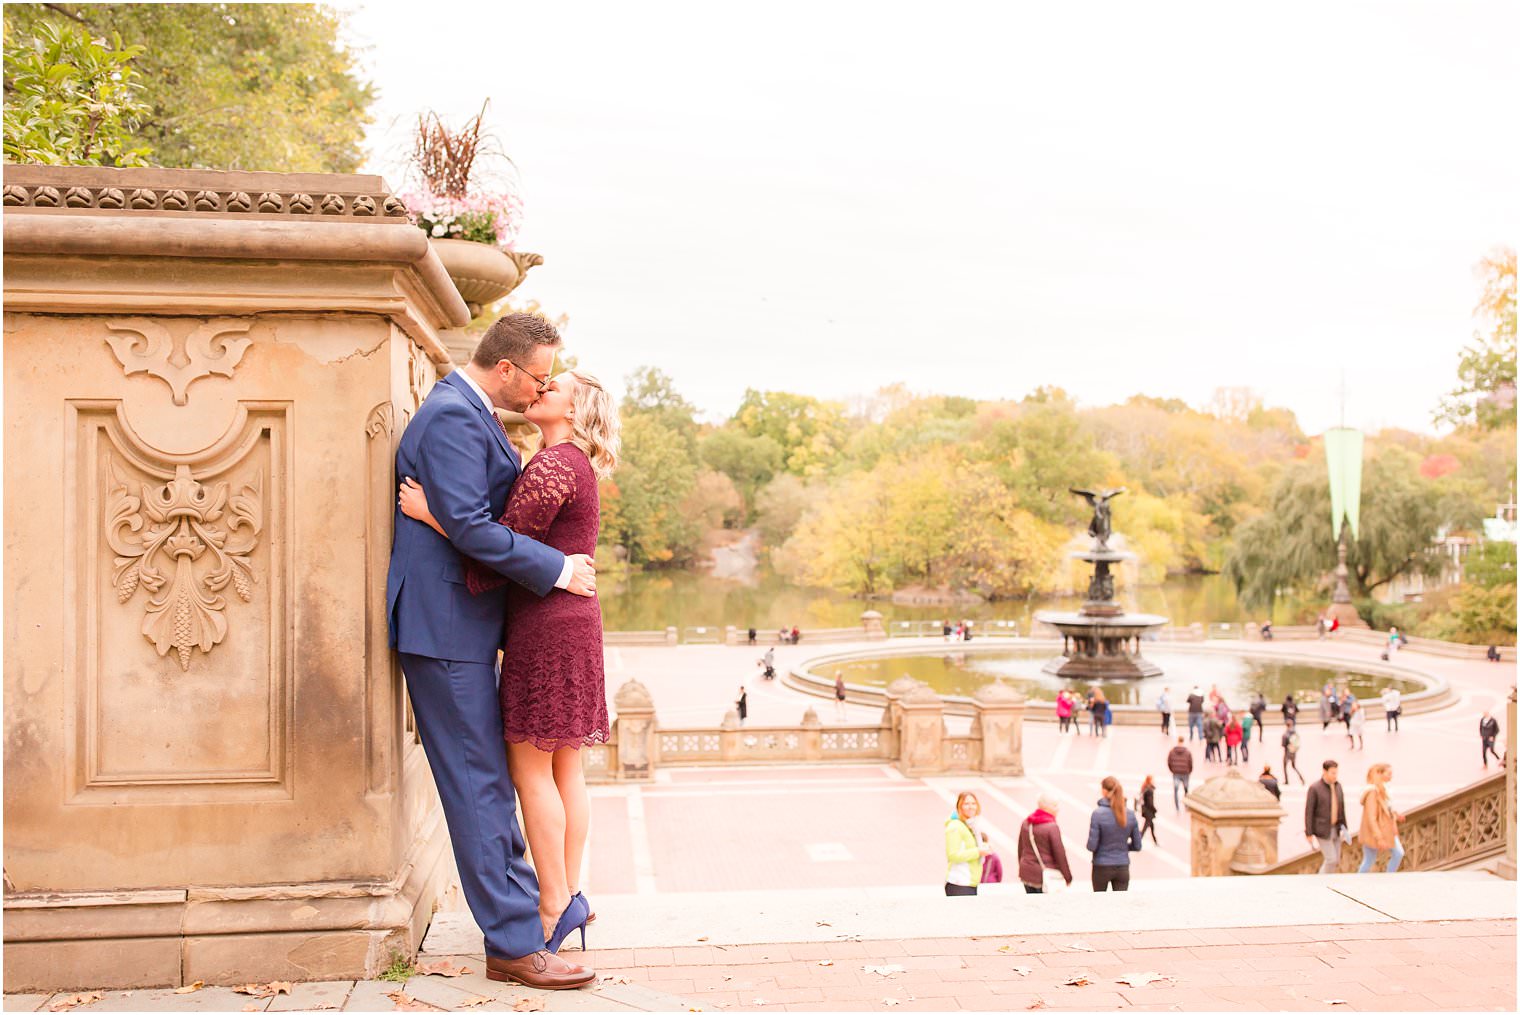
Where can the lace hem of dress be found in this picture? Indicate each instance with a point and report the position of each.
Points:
(551, 744)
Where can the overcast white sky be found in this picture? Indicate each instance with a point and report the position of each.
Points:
(980, 199)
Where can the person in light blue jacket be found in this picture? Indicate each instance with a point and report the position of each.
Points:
(1112, 835)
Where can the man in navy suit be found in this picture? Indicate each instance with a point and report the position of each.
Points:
(448, 639)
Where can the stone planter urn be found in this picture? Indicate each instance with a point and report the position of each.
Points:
(482, 272)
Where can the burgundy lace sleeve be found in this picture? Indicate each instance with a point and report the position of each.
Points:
(547, 483)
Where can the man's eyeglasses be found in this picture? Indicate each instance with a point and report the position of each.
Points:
(542, 384)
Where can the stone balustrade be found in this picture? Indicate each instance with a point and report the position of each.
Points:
(911, 734)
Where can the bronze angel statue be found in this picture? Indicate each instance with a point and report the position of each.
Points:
(1101, 526)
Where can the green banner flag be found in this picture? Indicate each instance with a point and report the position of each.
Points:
(1343, 453)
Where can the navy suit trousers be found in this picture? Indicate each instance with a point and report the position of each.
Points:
(459, 718)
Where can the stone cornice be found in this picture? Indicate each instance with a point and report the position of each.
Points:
(322, 220)
(198, 193)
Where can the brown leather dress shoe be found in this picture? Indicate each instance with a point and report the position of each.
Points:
(542, 969)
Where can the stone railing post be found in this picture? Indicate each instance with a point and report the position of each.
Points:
(1507, 865)
(999, 722)
(923, 732)
(812, 735)
(1235, 824)
(672, 636)
(871, 622)
(636, 729)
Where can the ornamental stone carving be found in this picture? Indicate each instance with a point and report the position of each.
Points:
(145, 346)
(185, 544)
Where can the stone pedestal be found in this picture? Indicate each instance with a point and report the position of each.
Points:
(999, 722)
(211, 771)
(922, 732)
(1234, 828)
(636, 730)
(871, 623)
(1507, 865)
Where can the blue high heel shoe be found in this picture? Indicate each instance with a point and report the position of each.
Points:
(573, 918)
(590, 913)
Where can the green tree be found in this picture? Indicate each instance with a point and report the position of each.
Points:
(1043, 450)
(653, 482)
(749, 461)
(1292, 547)
(1485, 393)
(72, 99)
(230, 86)
(809, 430)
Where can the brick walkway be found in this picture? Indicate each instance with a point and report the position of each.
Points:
(1449, 965)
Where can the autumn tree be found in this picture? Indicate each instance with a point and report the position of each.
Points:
(1485, 392)
(227, 86)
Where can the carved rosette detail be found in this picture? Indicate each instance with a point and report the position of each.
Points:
(185, 544)
(147, 347)
(381, 422)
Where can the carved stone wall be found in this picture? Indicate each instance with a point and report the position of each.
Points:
(211, 771)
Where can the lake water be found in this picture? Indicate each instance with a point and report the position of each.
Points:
(1237, 677)
(654, 600)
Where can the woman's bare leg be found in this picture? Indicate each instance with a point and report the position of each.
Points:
(570, 780)
(544, 825)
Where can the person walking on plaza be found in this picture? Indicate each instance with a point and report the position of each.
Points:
(1269, 782)
(1213, 735)
(1380, 822)
(1327, 709)
(742, 704)
(1042, 854)
(1233, 735)
(753, 636)
(1347, 700)
(1063, 709)
(1488, 732)
(1195, 713)
(1290, 745)
(1104, 713)
(796, 634)
(1246, 722)
(1148, 808)
(1164, 706)
(1392, 709)
(1493, 654)
(1289, 709)
(1325, 817)
(963, 851)
(1179, 761)
(1094, 712)
(1394, 639)
(839, 696)
(768, 661)
(1356, 723)
(1259, 716)
(1112, 835)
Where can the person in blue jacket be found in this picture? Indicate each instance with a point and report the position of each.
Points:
(1112, 835)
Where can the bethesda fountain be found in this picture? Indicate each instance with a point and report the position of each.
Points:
(1100, 641)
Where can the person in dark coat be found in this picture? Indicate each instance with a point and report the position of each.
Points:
(1289, 709)
(1112, 835)
(1325, 817)
(1488, 732)
(742, 704)
(1269, 782)
(1259, 715)
(1040, 847)
(1179, 761)
(1148, 809)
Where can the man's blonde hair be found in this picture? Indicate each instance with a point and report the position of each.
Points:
(594, 425)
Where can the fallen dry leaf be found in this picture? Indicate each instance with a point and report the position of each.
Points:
(614, 978)
(406, 1002)
(1081, 946)
(190, 988)
(825, 962)
(1036, 1003)
(1078, 980)
(1021, 970)
(824, 923)
(442, 967)
(250, 1006)
(758, 1002)
(1144, 979)
(75, 1000)
(1005, 949)
(269, 989)
(884, 970)
(528, 1004)
(702, 938)
(889, 1000)
(471, 1002)
(1334, 1000)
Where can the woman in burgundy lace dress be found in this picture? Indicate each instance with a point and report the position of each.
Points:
(553, 698)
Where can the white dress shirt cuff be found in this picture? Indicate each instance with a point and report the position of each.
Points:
(564, 575)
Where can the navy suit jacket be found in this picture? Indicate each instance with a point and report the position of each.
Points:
(457, 451)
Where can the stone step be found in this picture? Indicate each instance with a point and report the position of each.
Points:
(667, 920)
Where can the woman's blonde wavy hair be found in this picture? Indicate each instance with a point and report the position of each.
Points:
(594, 424)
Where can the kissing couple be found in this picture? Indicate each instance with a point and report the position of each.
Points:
(492, 556)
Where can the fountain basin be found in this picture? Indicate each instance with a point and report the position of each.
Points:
(1099, 647)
